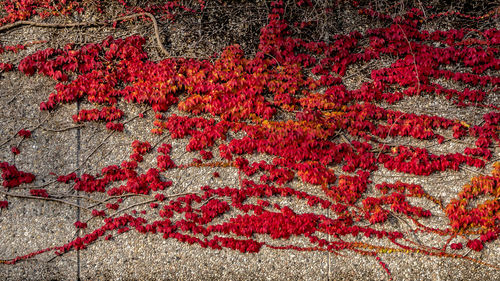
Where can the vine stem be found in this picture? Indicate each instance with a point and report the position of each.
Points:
(103, 142)
(389, 132)
(78, 196)
(32, 130)
(130, 207)
(62, 129)
(43, 198)
(149, 201)
(414, 59)
(86, 24)
(86, 158)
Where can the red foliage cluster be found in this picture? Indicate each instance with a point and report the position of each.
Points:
(15, 150)
(486, 214)
(39, 192)
(13, 177)
(107, 113)
(24, 133)
(80, 224)
(5, 67)
(164, 162)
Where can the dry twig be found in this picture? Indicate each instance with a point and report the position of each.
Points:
(43, 198)
(88, 24)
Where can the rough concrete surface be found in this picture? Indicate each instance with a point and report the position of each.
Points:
(30, 225)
